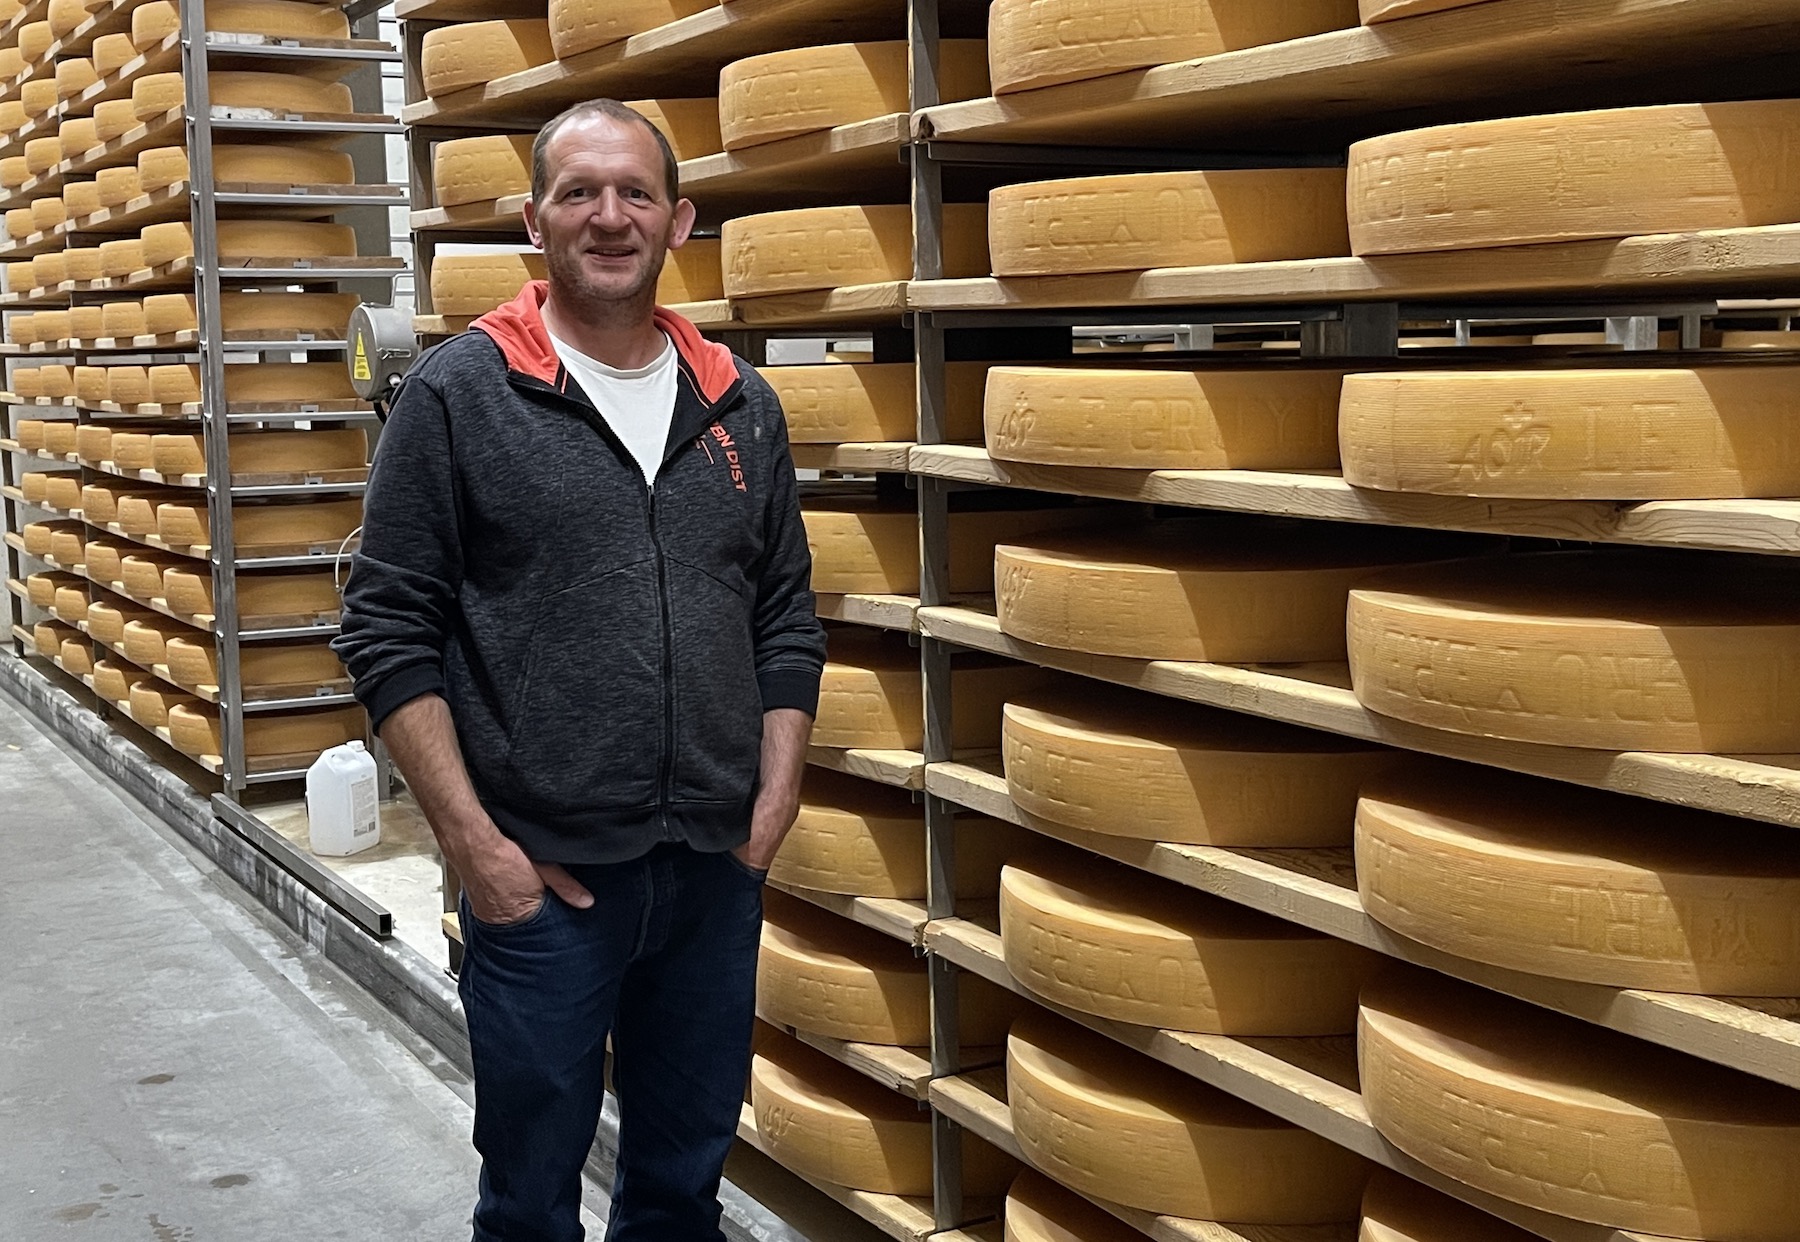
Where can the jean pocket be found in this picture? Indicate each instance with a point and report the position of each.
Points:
(503, 929)
(745, 869)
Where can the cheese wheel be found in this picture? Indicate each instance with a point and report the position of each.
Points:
(46, 214)
(1610, 651)
(102, 557)
(128, 386)
(56, 382)
(694, 273)
(578, 25)
(114, 118)
(1138, 949)
(1040, 1210)
(828, 247)
(1033, 43)
(178, 383)
(824, 1120)
(1171, 219)
(83, 263)
(282, 239)
(278, 92)
(42, 154)
(13, 114)
(152, 701)
(25, 383)
(34, 40)
(1557, 881)
(474, 170)
(1111, 1123)
(861, 545)
(63, 491)
(19, 223)
(192, 660)
(1398, 1209)
(275, 19)
(312, 523)
(1125, 764)
(137, 512)
(100, 501)
(820, 973)
(144, 639)
(111, 53)
(74, 75)
(47, 638)
(321, 314)
(261, 595)
(121, 319)
(20, 331)
(122, 257)
(12, 60)
(265, 452)
(838, 403)
(153, 22)
(37, 535)
(140, 573)
(41, 589)
(90, 386)
(1576, 175)
(113, 680)
(1568, 435)
(13, 172)
(872, 696)
(1265, 419)
(806, 89)
(52, 325)
(474, 284)
(690, 125)
(194, 730)
(77, 654)
(31, 485)
(70, 601)
(117, 186)
(467, 54)
(29, 432)
(1194, 589)
(40, 96)
(1575, 1120)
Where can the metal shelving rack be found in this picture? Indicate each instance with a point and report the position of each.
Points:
(365, 207)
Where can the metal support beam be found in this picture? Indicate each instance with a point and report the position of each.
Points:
(1365, 330)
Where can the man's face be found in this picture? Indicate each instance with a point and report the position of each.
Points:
(606, 221)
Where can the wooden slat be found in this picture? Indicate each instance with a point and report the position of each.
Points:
(902, 768)
(891, 916)
(891, 457)
(1318, 696)
(887, 612)
(1729, 525)
(905, 1070)
(850, 306)
(852, 163)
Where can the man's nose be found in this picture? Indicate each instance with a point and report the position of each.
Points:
(609, 211)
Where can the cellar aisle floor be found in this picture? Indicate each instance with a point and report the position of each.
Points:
(174, 1065)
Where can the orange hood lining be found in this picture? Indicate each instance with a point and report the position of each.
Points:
(518, 329)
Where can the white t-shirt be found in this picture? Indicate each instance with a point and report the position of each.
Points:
(638, 404)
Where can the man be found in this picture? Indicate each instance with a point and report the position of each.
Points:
(581, 622)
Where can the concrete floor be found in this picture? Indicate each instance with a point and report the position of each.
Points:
(174, 1066)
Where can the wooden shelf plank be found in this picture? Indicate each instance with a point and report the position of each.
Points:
(1665, 264)
(1486, 59)
(869, 458)
(891, 916)
(850, 306)
(902, 768)
(860, 161)
(1318, 696)
(905, 1220)
(1771, 526)
(905, 1070)
(1316, 888)
(887, 612)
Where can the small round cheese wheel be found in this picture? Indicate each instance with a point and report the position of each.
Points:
(57, 381)
(19, 223)
(453, 58)
(153, 22)
(806, 89)
(1195, 589)
(29, 432)
(90, 386)
(113, 679)
(474, 284)
(859, 545)
(77, 653)
(62, 492)
(315, 522)
(48, 271)
(265, 452)
(145, 639)
(117, 186)
(48, 637)
(824, 1120)
(872, 695)
(41, 589)
(1033, 43)
(1283, 419)
(46, 214)
(25, 383)
(194, 729)
(1126, 764)
(1569, 435)
(14, 172)
(71, 602)
(84, 263)
(1172, 219)
(1603, 650)
(19, 329)
(849, 402)
(19, 275)
(114, 118)
(74, 75)
(39, 96)
(137, 512)
(93, 441)
(1113, 1124)
(12, 60)
(1575, 175)
(193, 662)
(162, 166)
(579, 25)
(66, 545)
(121, 319)
(270, 594)
(151, 703)
(13, 116)
(281, 239)
(43, 154)
(65, 16)
(1576, 1120)
(32, 484)
(111, 53)
(1552, 880)
(1040, 1210)
(122, 256)
(177, 383)
(131, 450)
(828, 247)
(690, 125)
(1138, 949)
(34, 40)
(474, 170)
(100, 503)
(694, 273)
(128, 385)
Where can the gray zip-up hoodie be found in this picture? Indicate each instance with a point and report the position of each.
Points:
(607, 650)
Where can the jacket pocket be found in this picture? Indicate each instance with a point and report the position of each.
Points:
(585, 729)
(718, 709)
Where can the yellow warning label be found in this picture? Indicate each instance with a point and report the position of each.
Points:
(359, 367)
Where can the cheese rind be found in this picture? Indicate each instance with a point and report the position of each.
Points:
(1040, 1210)
(1565, 435)
(1033, 43)
(1557, 881)
(862, 546)
(839, 403)
(1129, 765)
(693, 273)
(1575, 175)
(1193, 591)
(253, 163)
(872, 695)
(1174, 219)
(114, 118)
(177, 383)
(453, 58)
(283, 239)
(74, 75)
(579, 25)
(829, 247)
(1575, 1120)
(279, 92)
(322, 314)
(265, 452)
(1138, 949)
(1398, 1209)
(314, 523)
(474, 170)
(192, 661)
(805, 89)
(1586, 649)
(690, 125)
(112, 52)
(1111, 1123)
(280, 19)
(190, 591)
(474, 284)
(1164, 419)
(195, 730)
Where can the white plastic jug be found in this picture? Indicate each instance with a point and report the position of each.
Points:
(343, 806)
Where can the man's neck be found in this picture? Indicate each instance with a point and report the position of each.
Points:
(621, 337)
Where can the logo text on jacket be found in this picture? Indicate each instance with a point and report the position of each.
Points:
(729, 447)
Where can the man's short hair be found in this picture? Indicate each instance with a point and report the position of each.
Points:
(613, 110)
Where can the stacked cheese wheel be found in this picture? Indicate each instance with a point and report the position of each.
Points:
(846, 402)
(820, 248)
(785, 94)
(861, 546)
(872, 695)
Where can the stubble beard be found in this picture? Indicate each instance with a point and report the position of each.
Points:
(595, 305)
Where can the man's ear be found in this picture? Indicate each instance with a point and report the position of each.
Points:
(684, 224)
(531, 224)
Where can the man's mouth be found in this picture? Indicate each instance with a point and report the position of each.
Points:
(611, 252)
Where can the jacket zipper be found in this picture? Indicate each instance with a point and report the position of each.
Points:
(666, 774)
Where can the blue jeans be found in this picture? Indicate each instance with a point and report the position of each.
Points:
(665, 962)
